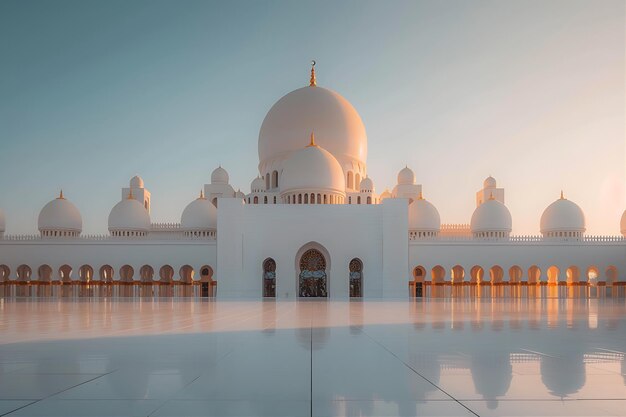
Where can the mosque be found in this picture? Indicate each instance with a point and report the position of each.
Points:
(312, 225)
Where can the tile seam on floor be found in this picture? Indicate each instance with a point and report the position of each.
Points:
(419, 374)
(165, 401)
(57, 393)
(19, 408)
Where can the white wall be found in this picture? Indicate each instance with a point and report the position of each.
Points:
(249, 234)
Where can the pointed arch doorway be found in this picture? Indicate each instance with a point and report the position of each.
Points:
(269, 278)
(356, 278)
(312, 277)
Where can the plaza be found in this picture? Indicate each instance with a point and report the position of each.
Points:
(187, 357)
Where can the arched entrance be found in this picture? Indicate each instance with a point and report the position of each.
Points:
(207, 285)
(312, 278)
(106, 274)
(416, 286)
(356, 278)
(269, 278)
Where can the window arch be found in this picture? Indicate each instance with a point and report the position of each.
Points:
(186, 274)
(23, 273)
(85, 273)
(438, 275)
(106, 273)
(166, 273)
(269, 278)
(356, 277)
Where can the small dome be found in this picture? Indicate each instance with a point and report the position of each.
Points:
(406, 176)
(219, 176)
(622, 223)
(367, 185)
(562, 216)
(3, 221)
(60, 215)
(240, 194)
(136, 182)
(200, 214)
(257, 185)
(312, 169)
(385, 194)
(423, 216)
(129, 215)
(491, 216)
(490, 182)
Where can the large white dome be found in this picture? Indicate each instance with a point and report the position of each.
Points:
(312, 169)
(60, 215)
(129, 215)
(491, 216)
(562, 216)
(3, 221)
(200, 214)
(337, 125)
(622, 224)
(423, 216)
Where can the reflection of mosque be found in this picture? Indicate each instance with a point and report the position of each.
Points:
(499, 363)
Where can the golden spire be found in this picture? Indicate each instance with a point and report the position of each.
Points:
(312, 143)
(202, 194)
(312, 81)
(61, 195)
(420, 196)
(130, 194)
(491, 196)
(562, 198)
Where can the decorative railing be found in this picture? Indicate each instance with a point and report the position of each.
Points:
(165, 226)
(208, 235)
(518, 239)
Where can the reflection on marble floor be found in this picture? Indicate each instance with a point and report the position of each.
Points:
(116, 357)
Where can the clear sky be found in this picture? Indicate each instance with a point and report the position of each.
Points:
(531, 92)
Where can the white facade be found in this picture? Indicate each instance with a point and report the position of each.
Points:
(313, 225)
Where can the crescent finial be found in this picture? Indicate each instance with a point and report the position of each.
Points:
(313, 81)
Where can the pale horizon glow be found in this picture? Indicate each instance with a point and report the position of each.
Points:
(530, 92)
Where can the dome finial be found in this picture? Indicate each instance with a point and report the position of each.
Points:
(420, 196)
(61, 195)
(130, 194)
(312, 143)
(562, 198)
(491, 196)
(313, 81)
(201, 194)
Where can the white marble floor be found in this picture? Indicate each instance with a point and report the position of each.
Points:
(512, 357)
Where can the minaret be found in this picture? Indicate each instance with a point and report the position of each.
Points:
(137, 191)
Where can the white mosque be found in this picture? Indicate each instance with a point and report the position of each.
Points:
(312, 226)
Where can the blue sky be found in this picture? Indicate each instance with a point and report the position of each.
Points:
(531, 92)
